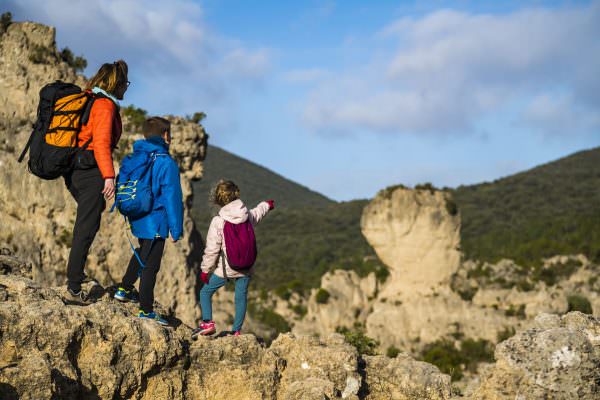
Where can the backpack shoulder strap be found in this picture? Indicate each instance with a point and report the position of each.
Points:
(224, 267)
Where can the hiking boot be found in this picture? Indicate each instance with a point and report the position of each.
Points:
(125, 296)
(205, 328)
(88, 279)
(79, 298)
(153, 316)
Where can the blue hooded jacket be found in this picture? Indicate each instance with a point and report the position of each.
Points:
(167, 209)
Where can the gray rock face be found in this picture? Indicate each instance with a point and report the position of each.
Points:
(49, 349)
(557, 358)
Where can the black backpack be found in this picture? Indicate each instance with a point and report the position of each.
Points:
(62, 110)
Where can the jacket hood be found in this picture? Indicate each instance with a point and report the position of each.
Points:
(150, 145)
(234, 212)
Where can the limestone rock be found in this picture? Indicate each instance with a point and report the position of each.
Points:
(50, 349)
(558, 358)
(415, 235)
(404, 378)
(329, 360)
(349, 302)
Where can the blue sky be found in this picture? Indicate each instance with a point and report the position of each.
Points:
(350, 97)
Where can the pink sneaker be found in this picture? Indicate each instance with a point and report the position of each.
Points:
(204, 329)
(236, 333)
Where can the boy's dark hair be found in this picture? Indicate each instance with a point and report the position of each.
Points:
(155, 126)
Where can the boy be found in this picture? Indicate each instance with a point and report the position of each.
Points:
(153, 229)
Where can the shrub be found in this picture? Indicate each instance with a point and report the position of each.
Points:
(263, 295)
(524, 285)
(5, 21)
(136, 115)
(555, 272)
(65, 238)
(300, 310)
(387, 192)
(357, 338)
(283, 292)
(579, 303)
(426, 186)
(446, 357)
(516, 312)
(77, 63)
(392, 351)
(197, 117)
(296, 286)
(322, 296)
(452, 361)
(269, 318)
(505, 334)
(381, 273)
(451, 207)
(467, 294)
(476, 351)
(39, 54)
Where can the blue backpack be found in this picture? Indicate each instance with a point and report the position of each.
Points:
(134, 185)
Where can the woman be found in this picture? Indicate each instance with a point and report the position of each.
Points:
(92, 180)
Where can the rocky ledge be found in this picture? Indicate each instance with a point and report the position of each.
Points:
(50, 349)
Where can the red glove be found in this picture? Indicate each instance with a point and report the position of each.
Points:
(271, 204)
(204, 277)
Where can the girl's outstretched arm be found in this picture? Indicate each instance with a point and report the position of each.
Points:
(258, 212)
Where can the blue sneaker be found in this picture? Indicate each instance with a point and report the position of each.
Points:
(126, 295)
(153, 316)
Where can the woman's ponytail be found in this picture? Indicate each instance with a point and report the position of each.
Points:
(110, 76)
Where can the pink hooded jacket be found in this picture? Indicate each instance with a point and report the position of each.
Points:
(236, 213)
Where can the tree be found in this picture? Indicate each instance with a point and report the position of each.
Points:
(5, 21)
(78, 63)
(198, 117)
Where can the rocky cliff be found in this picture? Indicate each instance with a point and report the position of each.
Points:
(38, 215)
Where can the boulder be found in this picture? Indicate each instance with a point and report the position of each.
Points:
(556, 358)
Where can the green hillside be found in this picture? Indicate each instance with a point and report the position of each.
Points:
(256, 183)
(551, 209)
(548, 210)
(307, 234)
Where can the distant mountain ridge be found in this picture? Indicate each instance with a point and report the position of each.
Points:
(548, 210)
(256, 183)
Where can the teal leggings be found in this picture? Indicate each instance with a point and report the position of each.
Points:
(241, 298)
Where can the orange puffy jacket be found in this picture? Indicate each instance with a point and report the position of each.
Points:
(104, 127)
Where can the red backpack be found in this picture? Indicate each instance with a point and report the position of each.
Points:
(240, 245)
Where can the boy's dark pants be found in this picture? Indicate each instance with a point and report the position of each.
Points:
(150, 251)
(86, 188)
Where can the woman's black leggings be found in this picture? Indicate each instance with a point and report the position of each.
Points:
(86, 188)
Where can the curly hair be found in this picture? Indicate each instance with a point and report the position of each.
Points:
(224, 193)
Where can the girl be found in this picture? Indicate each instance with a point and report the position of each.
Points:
(232, 217)
(92, 179)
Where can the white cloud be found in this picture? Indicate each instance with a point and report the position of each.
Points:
(177, 63)
(450, 69)
(560, 114)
